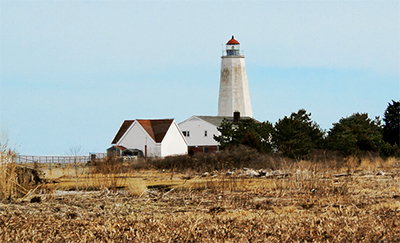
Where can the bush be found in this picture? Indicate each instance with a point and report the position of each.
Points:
(107, 165)
(387, 150)
(235, 157)
(108, 173)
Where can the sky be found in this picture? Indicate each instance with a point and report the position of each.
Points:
(72, 71)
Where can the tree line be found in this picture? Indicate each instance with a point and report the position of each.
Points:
(296, 136)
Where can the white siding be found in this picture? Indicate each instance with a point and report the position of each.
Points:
(173, 143)
(137, 137)
(196, 127)
(154, 151)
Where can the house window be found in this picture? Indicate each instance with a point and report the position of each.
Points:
(205, 150)
(186, 133)
(205, 133)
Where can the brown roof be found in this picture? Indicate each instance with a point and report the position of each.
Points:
(125, 125)
(156, 128)
(120, 147)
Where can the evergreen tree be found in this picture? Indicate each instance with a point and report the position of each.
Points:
(355, 134)
(391, 129)
(227, 134)
(297, 135)
(247, 132)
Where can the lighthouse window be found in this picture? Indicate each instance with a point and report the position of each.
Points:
(205, 133)
(232, 52)
(186, 133)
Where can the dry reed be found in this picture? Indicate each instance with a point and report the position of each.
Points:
(8, 176)
(313, 202)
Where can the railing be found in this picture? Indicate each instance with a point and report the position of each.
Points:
(58, 159)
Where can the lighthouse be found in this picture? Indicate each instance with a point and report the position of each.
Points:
(234, 93)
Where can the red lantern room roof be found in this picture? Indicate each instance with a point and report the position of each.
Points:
(233, 41)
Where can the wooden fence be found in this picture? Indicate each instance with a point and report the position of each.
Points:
(58, 159)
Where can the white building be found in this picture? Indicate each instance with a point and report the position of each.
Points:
(234, 98)
(155, 138)
(199, 132)
(164, 137)
(234, 91)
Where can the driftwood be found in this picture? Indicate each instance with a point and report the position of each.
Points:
(341, 175)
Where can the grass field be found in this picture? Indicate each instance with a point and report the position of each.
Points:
(300, 201)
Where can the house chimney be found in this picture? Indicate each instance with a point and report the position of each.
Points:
(236, 116)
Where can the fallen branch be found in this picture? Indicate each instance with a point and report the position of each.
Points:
(341, 175)
(30, 192)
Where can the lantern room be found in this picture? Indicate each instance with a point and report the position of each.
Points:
(233, 47)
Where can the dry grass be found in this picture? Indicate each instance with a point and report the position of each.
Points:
(16, 181)
(357, 202)
(8, 175)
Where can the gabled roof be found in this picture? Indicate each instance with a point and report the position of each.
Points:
(156, 128)
(125, 125)
(215, 120)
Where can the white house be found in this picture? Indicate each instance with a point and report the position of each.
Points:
(156, 137)
(199, 132)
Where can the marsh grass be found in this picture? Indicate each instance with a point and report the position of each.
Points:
(110, 174)
(16, 180)
(136, 187)
(311, 204)
(9, 186)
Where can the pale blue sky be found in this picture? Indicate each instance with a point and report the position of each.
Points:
(72, 71)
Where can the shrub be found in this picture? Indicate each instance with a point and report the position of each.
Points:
(235, 157)
(107, 173)
(386, 150)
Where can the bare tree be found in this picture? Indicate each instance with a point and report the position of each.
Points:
(76, 151)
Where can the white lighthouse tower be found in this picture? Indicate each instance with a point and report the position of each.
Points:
(234, 93)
